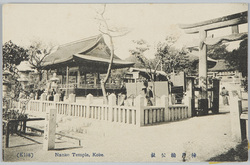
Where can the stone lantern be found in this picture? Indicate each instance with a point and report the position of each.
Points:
(54, 80)
(6, 88)
(23, 80)
(6, 82)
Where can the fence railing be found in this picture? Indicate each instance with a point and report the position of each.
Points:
(88, 86)
(135, 115)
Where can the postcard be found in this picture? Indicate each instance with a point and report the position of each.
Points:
(125, 82)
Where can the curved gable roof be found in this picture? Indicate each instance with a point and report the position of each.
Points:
(93, 48)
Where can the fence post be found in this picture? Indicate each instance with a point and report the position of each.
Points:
(57, 97)
(89, 99)
(139, 101)
(50, 128)
(165, 104)
(112, 102)
(235, 111)
(72, 99)
(42, 98)
(190, 107)
(28, 105)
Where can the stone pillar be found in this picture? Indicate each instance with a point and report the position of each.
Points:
(139, 102)
(235, 111)
(57, 97)
(165, 103)
(43, 97)
(49, 129)
(72, 98)
(111, 102)
(89, 99)
(190, 107)
(203, 102)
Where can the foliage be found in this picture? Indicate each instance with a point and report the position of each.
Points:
(118, 74)
(37, 53)
(238, 59)
(218, 51)
(141, 47)
(13, 55)
(175, 60)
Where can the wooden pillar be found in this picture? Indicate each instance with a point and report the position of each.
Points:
(85, 84)
(78, 78)
(62, 81)
(235, 29)
(67, 80)
(95, 79)
(98, 78)
(85, 78)
(216, 95)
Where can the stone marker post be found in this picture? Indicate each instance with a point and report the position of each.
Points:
(111, 102)
(165, 104)
(139, 110)
(49, 129)
(89, 99)
(235, 111)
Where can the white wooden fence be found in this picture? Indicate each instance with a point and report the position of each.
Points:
(135, 115)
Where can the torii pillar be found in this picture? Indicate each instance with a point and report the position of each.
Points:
(202, 28)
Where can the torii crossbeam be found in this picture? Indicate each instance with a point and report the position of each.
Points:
(202, 28)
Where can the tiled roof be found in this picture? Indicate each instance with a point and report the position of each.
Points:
(91, 49)
(221, 65)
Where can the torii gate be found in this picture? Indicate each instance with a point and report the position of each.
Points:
(202, 28)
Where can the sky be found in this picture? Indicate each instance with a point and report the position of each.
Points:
(62, 23)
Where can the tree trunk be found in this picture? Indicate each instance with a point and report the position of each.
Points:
(103, 82)
(40, 74)
(104, 92)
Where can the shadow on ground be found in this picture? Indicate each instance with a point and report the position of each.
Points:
(238, 154)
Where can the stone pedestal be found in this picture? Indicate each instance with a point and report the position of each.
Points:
(49, 129)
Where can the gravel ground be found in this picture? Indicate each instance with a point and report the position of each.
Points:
(200, 138)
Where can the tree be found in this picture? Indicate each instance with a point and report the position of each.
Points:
(13, 55)
(110, 32)
(139, 52)
(218, 51)
(37, 53)
(151, 66)
(238, 58)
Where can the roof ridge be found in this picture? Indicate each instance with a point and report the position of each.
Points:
(85, 39)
